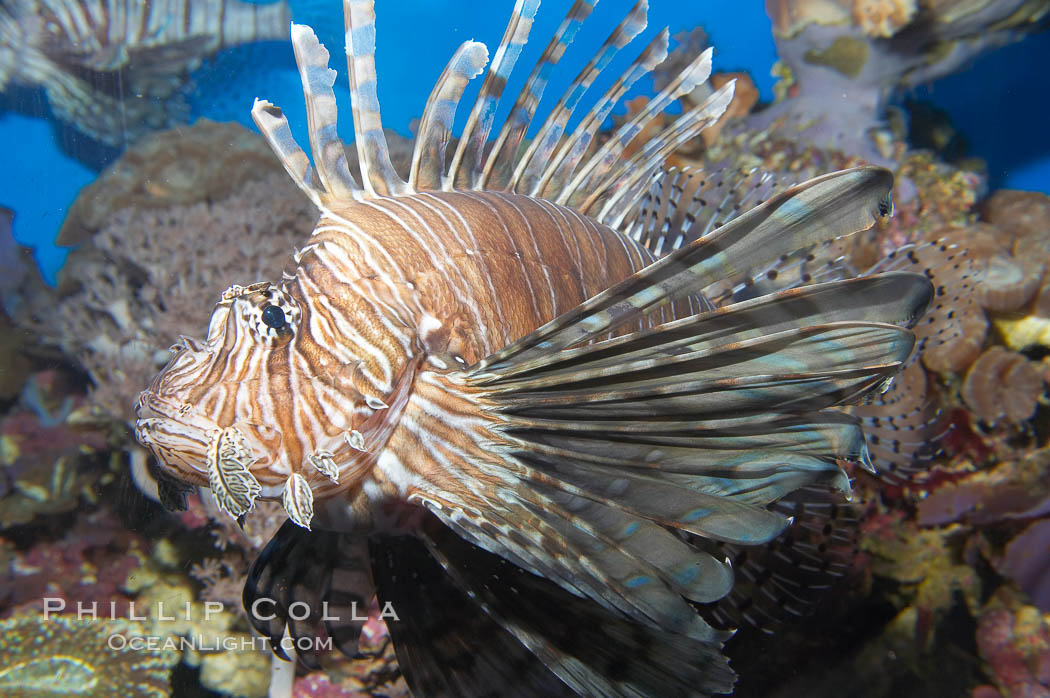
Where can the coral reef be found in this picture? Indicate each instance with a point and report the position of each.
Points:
(150, 272)
(207, 161)
(115, 69)
(1002, 385)
(48, 464)
(883, 18)
(1014, 642)
(922, 562)
(65, 656)
(1025, 561)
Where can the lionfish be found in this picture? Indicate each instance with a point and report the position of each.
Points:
(114, 69)
(495, 395)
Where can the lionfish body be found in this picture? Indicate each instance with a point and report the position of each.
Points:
(479, 398)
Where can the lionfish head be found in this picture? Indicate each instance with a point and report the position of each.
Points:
(218, 413)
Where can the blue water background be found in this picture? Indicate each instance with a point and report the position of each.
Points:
(997, 102)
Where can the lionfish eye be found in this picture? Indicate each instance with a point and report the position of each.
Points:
(273, 316)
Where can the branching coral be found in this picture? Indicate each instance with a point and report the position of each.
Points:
(901, 424)
(151, 272)
(65, 656)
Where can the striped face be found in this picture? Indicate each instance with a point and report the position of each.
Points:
(210, 388)
(278, 399)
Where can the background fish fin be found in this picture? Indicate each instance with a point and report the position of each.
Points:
(112, 117)
(902, 426)
(316, 568)
(827, 207)
(952, 333)
(593, 651)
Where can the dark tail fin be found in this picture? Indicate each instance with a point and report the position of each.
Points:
(326, 571)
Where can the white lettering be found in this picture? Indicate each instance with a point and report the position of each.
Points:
(388, 612)
(131, 613)
(209, 608)
(255, 609)
(160, 612)
(305, 607)
(92, 614)
(53, 605)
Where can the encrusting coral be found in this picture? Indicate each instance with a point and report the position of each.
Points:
(1002, 385)
(883, 18)
(1013, 639)
(61, 655)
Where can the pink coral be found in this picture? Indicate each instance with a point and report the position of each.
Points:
(1014, 643)
(90, 564)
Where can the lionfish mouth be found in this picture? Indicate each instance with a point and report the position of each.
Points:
(178, 439)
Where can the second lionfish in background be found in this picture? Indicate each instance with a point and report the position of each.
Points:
(115, 69)
(518, 426)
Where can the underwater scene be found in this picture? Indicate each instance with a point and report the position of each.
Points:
(654, 348)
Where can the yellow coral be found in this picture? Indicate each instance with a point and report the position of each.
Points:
(883, 18)
(1021, 332)
(243, 672)
(64, 656)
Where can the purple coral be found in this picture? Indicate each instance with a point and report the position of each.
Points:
(1027, 562)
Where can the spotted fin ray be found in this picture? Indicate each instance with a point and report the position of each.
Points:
(556, 164)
